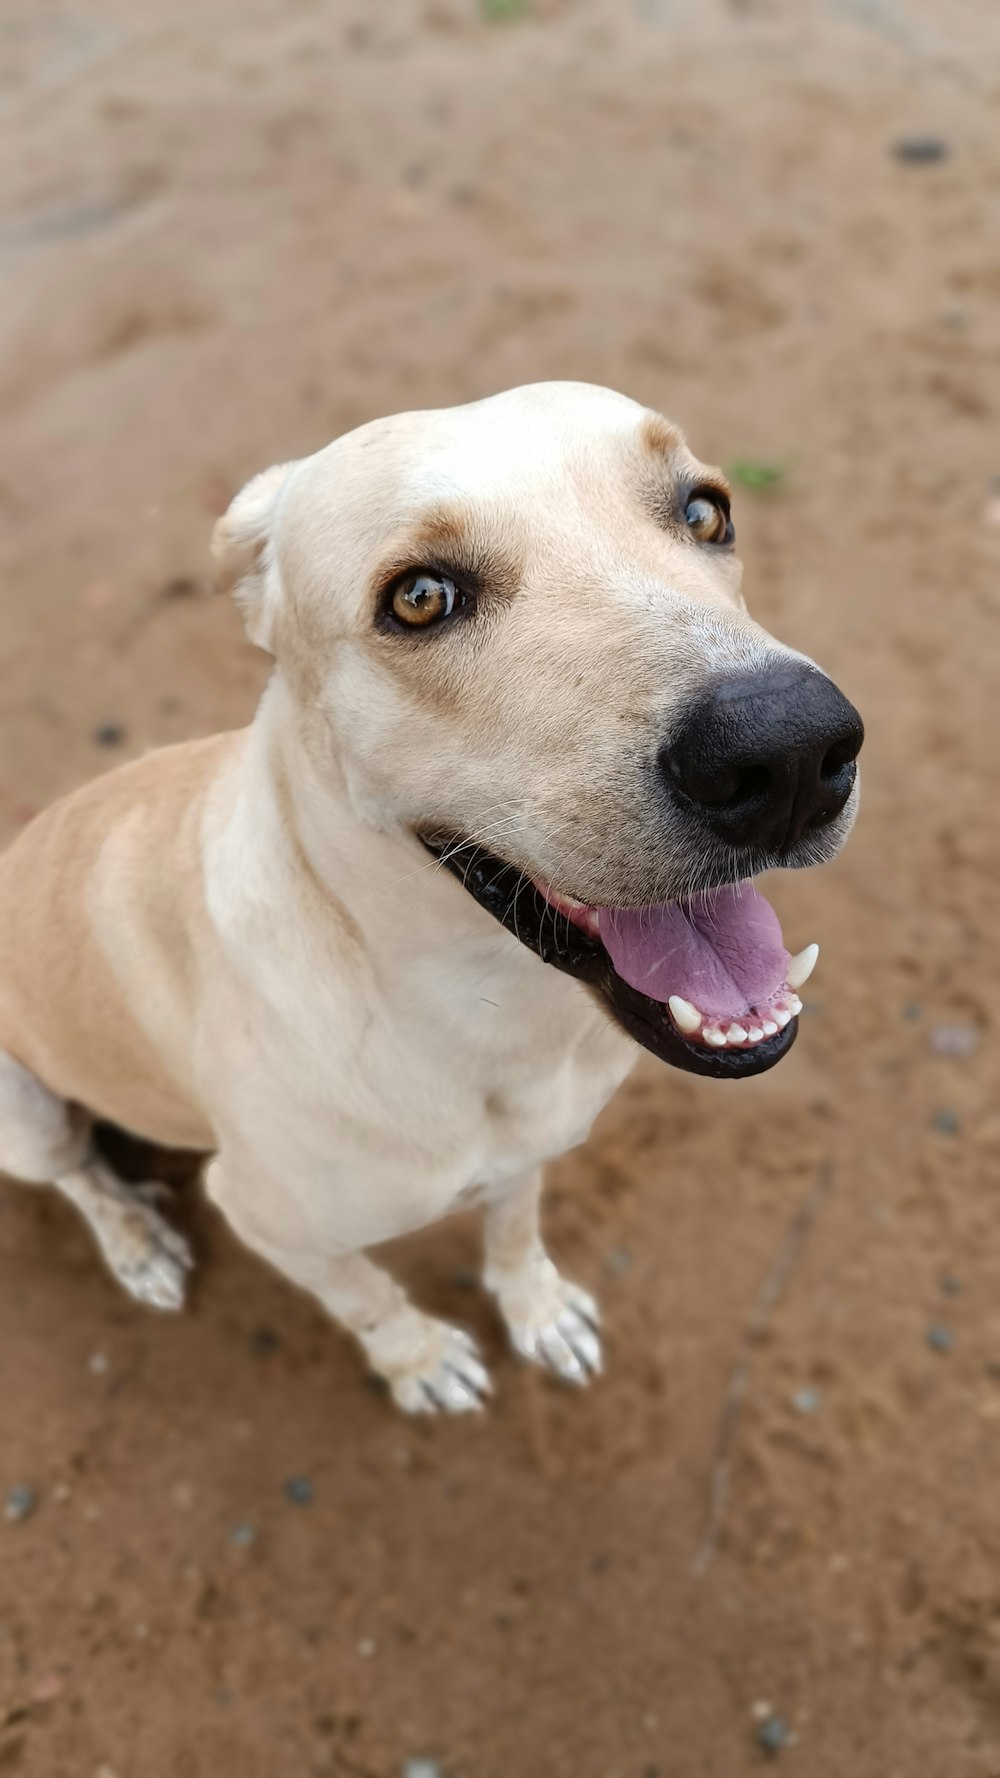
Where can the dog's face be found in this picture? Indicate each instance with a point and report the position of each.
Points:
(517, 629)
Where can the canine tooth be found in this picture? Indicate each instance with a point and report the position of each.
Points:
(685, 1016)
(736, 1034)
(755, 1033)
(782, 1018)
(795, 1004)
(770, 1028)
(714, 1036)
(801, 967)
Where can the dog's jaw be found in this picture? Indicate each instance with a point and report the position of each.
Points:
(570, 945)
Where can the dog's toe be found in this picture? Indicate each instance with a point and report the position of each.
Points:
(148, 1257)
(557, 1329)
(450, 1381)
(158, 1282)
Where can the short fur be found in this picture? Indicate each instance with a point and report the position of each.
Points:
(240, 945)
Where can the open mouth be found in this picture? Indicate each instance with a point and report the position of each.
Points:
(706, 984)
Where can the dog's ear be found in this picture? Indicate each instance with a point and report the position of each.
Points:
(244, 554)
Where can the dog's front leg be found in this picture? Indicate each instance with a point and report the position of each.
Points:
(430, 1367)
(550, 1320)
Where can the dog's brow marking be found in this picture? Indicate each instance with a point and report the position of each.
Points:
(451, 537)
(659, 436)
(447, 529)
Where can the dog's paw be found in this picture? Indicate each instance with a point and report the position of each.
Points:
(552, 1322)
(150, 1259)
(446, 1376)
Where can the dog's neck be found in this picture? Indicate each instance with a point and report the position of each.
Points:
(307, 895)
(296, 818)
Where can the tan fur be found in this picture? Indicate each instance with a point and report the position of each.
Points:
(240, 945)
(65, 1012)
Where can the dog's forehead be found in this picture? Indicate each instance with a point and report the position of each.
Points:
(567, 459)
(508, 444)
(518, 441)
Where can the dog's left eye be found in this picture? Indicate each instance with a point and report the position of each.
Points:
(707, 517)
(421, 599)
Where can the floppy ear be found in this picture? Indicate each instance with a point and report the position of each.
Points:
(244, 554)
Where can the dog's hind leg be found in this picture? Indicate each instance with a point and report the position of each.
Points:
(44, 1140)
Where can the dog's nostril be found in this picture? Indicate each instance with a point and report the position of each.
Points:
(842, 753)
(719, 786)
(754, 782)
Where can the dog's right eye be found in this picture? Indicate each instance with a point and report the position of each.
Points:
(421, 599)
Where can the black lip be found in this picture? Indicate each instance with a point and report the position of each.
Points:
(511, 897)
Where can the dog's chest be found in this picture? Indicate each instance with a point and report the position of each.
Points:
(523, 1103)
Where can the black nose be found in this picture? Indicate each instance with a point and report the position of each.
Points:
(766, 758)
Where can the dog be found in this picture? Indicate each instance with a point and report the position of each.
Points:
(494, 825)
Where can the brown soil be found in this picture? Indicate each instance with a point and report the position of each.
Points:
(229, 230)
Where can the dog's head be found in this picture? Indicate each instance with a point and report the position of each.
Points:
(517, 629)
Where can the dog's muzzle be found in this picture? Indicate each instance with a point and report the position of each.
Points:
(766, 760)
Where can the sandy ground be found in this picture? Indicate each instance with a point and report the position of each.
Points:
(227, 231)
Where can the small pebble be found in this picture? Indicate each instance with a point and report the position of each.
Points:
(421, 1768)
(912, 1011)
(949, 1286)
(97, 596)
(242, 1536)
(773, 1734)
(939, 1338)
(921, 151)
(299, 1490)
(367, 1647)
(97, 1364)
(109, 734)
(807, 1401)
(49, 1687)
(618, 1262)
(21, 1503)
(264, 1342)
(954, 1040)
(945, 1122)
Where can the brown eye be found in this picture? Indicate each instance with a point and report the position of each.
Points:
(707, 518)
(422, 599)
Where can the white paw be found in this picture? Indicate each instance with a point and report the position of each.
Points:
(448, 1378)
(148, 1257)
(553, 1323)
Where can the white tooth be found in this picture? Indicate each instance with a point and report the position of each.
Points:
(685, 1016)
(736, 1034)
(782, 1018)
(801, 967)
(770, 1028)
(755, 1033)
(714, 1037)
(795, 1004)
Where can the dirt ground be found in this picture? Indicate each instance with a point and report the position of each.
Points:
(229, 230)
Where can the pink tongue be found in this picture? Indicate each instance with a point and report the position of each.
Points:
(722, 951)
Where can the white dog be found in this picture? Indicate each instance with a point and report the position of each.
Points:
(390, 948)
